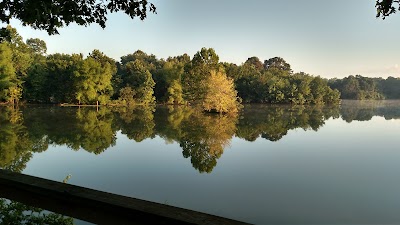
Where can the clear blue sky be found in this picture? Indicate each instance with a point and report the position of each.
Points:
(331, 38)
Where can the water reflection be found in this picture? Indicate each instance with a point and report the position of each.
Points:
(365, 110)
(16, 146)
(202, 138)
(136, 123)
(273, 122)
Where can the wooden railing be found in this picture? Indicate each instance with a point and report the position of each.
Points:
(96, 206)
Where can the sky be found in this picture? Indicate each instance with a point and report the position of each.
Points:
(330, 38)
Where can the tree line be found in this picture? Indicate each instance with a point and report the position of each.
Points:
(365, 88)
(28, 74)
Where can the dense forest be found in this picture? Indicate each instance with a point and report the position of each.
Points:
(29, 75)
(365, 88)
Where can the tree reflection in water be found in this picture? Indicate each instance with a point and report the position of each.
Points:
(16, 146)
(135, 122)
(202, 137)
(273, 122)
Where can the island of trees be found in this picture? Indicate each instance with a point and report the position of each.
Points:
(28, 74)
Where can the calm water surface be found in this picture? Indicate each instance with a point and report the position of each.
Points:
(269, 165)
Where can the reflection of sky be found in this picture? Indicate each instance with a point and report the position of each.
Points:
(343, 173)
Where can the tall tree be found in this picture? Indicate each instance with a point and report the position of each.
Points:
(255, 61)
(249, 84)
(277, 63)
(37, 46)
(21, 59)
(7, 72)
(221, 95)
(137, 84)
(150, 62)
(173, 71)
(93, 79)
(197, 73)
(36, 83)
(60, 77)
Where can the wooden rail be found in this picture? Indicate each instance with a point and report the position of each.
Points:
(96, 206)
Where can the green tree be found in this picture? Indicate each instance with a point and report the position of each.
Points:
(36, 82)
(194, 80)
(277, 63)
(34, 85)
(7, 72)
(53, 14)
(126, 96)
(175, 95)
(322, 93)
(21, 59)
(358, 87)
(138, 80)
(299, 91)
(93, 79)
(232, 70)
(390, 87)
(61, 73)
(255, 61)
(173, 71)
(276, 86)
(249, 83)
(21, 53)
(37, 46)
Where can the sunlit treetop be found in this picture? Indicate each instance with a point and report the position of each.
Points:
(385, 8)
(52, 14)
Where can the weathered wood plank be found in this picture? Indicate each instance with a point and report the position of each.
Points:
(96, 206)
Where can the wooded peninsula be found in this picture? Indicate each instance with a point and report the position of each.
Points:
(29, 75)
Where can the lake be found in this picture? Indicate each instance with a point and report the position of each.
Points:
(269, 165)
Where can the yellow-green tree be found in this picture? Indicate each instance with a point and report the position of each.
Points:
(175, 93)
(21, 59)
(7, 72)
(93, 81)
(221, 95)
